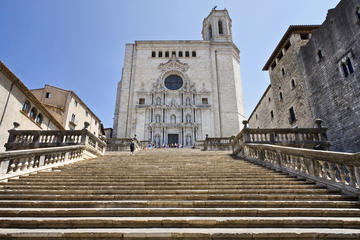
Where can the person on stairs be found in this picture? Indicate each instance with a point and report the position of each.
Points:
(132, 146)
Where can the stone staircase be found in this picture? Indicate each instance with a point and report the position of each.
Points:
(172, 194)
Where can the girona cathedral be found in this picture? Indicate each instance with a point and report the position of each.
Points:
(180, 91)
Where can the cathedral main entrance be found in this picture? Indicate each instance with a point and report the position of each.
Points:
(173, 138)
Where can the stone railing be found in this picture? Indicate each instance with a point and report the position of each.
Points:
(339, 171)
(19, 162)
(217, 144)
(311, 138)
(121, 144)
(32, 139)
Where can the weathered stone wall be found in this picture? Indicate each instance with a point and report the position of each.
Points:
(293, 93)
(334, 97)
(261, 116)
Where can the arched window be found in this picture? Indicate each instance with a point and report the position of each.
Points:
(281, 96)
(39, 118)
(26, 106)
(173, 119)
(188, 118)
(220, 27)
(157, 118)
(33, 113)
(158, 101)
(188, 101)
(210, 32)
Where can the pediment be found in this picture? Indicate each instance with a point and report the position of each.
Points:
(174, 64)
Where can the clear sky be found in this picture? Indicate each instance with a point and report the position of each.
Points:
(79, 44)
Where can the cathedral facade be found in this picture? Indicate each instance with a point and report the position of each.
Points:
(180, 91)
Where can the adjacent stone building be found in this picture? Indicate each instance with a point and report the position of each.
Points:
(68, 109)
(289, 105)
(314, 73)
(331, 61)
(179, 91)
(18, 104)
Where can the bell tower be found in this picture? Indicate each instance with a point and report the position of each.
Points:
(217, 26)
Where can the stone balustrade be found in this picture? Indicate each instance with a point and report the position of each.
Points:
(298, 152)
(121, 144)
(217, 143)
(336, 170)
(19, 162)
(32, 139)
(311, 138)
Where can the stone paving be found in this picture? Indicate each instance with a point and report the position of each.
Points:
(172, 194)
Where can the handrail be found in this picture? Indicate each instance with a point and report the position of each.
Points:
(293, 137)
(336, 170)
(32, 139)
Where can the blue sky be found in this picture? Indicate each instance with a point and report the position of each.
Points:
(79, 44)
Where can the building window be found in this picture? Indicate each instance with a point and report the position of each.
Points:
(141, 101)
(272, 115)
(26, 106)
(281, 96)
(256, 117)
(220, 27)
(180, 54)
(166, 54)
(187, 54)
(160, 54)
(347, 67)
(173, 54)
(153, 54)
(73, 118)
(95, 123)
(287, 45)
(358, 12)
(158, 101)
(173, 119)
(188, 118)
(304, 36)
(87, 113)
(292, 118)
(76, 103)
(280, 55)
(350, 66)
(345, 70)
(283, 71)
(273, 65)
(319, 55)
(193, 53)
(47, 95)
(269, 99)
(210, 32)
(293, 84)
(39, 118)
(204, 101)
(33, 113)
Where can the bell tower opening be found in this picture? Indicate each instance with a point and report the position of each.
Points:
(217, 26)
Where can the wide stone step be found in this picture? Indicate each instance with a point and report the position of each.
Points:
(179, 212)
(182, 233)
(178, 204)
(130, 183)
(180, 222)
(175, 197)
(161, 192)
(176, 187)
